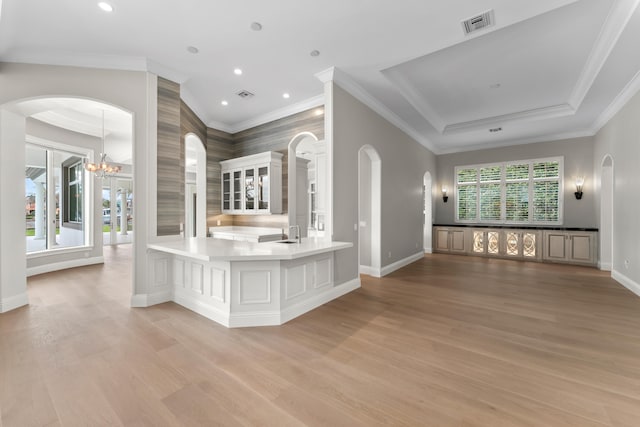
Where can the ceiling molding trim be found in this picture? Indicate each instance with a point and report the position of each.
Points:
(629, 91)
(70, 59)
(166, 72)
(614, 25)
(409, 92)
(511, 142)
(543, 113)
(358, 92)
(327, 75)
(298, 107)
(193, 103)
(219, 126)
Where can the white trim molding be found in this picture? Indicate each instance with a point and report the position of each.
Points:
(370, 271)
(63, 265)
(388, 269)
(626, 282)
(147, 300)
(11, 303)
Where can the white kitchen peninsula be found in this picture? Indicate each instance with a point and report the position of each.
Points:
(239, 283)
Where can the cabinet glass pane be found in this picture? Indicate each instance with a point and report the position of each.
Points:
(512, 243)
(226, 190)
(529, 244)
(478, 241)
(263, 188)
(493, 242)
(237, 190)
(249, 189)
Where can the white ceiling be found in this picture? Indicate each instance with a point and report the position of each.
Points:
(560, 64)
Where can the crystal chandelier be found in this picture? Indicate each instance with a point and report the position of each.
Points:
(103, 168)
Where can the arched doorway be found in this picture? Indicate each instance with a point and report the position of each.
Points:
(369, 210)
(606, 213)
(427, 211)
(195, 187)
(307, 182)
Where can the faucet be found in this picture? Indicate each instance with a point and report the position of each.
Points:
(298, 235)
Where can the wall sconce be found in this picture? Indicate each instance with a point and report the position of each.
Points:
(579, 184)
(444, 194)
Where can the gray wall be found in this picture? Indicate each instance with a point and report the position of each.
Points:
(620, 138)
(404, 162)
(578, 160)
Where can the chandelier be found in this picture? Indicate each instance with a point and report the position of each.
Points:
(103, 168)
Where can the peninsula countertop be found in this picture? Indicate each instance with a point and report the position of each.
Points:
(209, 249)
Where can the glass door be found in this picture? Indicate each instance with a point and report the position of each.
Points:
(249, 189)
(263, 188)
(226, 191)
(237, 190)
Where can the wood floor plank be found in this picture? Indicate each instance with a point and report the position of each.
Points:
(445, 341)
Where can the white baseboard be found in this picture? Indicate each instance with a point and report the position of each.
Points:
(203, 309)
(626, 282)
(11, 303)
(370, 271)
(604, 266)
(318, 300)
(428, 250)
(387, 269)
(147, 300)
(55, 266)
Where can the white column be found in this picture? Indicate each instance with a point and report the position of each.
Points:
(40, 211)
(13, 242)
(51, 205)
(123, 212)
(113, 206)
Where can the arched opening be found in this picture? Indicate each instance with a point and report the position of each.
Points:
(606, 213)
(427, 212)
(369, 210)
(307, 184)
(195, 187)
(57, 214)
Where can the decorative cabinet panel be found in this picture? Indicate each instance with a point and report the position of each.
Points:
(522, 244)
(252, 184)
(575, 247)
(449, 240)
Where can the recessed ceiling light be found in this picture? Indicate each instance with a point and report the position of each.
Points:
(105, 6)
(225, 103)
(315, 53)
(286, 95)
(237, 72)
(192, 49)
(256, 26)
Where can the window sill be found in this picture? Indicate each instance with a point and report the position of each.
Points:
(49, 252)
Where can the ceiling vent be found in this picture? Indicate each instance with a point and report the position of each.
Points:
(478, 22)
(245, 94)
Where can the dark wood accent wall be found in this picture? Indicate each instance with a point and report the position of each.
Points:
(190, 123)
(219, 147)
(170, 161)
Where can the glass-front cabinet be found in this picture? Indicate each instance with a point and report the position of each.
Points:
(256, 184)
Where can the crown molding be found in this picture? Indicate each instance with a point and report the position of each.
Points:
(614, 24)
(343, 80)
(628, 92)
(543, 113)
(193, 103)
(327, 75)
(522, 141)
(271, 116)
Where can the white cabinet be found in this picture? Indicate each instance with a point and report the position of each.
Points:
(575, 247)
(449, 240)
(252, 184)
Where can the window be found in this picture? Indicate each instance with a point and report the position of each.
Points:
(519, 192)
(55, 198)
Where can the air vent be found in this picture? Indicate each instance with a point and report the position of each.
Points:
(478, 22)
(245, 94)
(495, 130)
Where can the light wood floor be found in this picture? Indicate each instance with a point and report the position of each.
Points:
(446, 341)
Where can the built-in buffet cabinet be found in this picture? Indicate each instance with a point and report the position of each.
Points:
(566, 246)
(252, 184)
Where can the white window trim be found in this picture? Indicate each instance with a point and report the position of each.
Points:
(531, 179)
